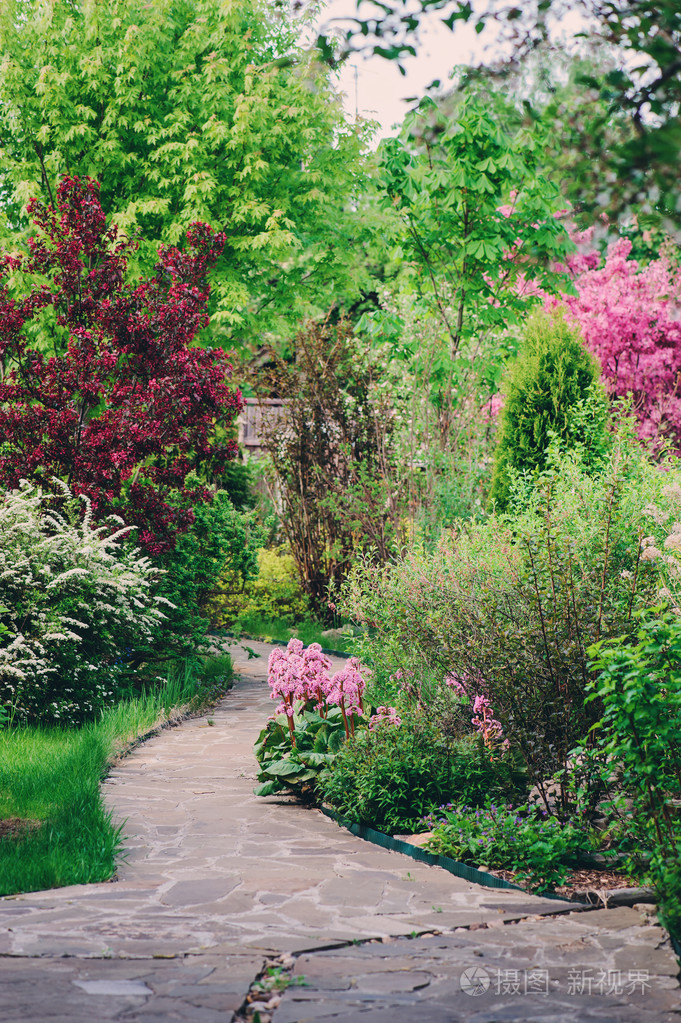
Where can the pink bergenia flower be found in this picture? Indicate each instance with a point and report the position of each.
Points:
(346, 691)
(297, 675)
(347, 688)
(466, 684)
(457, 683)
(315, 675)
(471, 686)
(301, 675)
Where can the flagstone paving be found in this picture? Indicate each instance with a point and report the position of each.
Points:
(216, 880)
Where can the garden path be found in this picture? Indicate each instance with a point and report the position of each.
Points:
(216, 881)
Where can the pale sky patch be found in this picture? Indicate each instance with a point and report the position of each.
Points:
(373, 87)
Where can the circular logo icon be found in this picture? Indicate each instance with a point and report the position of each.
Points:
(474, 981)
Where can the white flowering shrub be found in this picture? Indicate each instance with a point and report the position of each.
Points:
(76, 602)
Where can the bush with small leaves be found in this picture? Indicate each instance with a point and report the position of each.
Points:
(391, 776)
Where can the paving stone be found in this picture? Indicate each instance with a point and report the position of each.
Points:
(575, 987)
(122, 988)
(192, 893)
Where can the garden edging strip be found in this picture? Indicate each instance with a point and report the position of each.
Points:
(452, 866)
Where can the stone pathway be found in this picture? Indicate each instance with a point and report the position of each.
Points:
(216, 881)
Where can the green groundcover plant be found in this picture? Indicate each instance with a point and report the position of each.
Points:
(538, 848)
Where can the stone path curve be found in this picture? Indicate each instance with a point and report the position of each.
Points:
(217, 880)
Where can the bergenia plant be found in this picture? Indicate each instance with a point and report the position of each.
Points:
(346, 691)
(384, 716)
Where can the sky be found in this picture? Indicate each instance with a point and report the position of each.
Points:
(374, 88)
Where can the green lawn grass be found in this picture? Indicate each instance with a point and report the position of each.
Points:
(52, 776)
(270, 629)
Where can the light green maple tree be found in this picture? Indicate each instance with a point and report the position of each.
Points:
(190, 110)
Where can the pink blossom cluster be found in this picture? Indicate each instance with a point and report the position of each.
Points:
(408, 685)
(467, 684)
(492, 407)
(483, 719)
(630, 318)
(458, 683)
(346, 688)
(400, 674)
(384, 716)
(470, 688)
(300, 674)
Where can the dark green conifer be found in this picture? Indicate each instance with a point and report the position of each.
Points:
(552, 378)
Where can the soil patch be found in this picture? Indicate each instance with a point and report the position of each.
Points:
(579, 881)
(15, 827)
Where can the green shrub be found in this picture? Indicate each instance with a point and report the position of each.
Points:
(392, 777)
(537, 847)
(551, 377)
(511, 606)
(74, 603)
(221, 545)
(273, 593)
(639, 689)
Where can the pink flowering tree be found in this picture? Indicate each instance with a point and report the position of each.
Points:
(630, 318)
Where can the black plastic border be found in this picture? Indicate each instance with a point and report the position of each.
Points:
(480, 877)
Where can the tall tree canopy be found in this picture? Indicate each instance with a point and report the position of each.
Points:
(639, 167)
(476, 232)
(188, 110)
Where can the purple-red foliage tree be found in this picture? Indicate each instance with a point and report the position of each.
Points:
(630, 318)
(100, 385)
